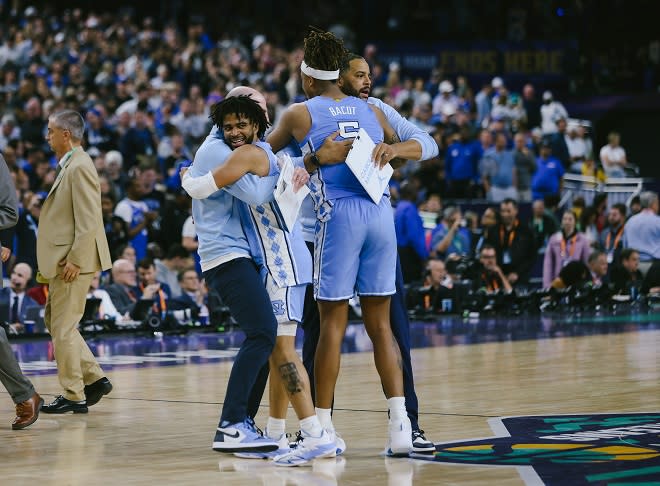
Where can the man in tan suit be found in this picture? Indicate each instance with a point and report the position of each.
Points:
(71, 247)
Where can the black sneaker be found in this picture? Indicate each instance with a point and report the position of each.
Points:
(62, 405)
(96, 391)
(420, 443)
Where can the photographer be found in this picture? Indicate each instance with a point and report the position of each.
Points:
(491, 278)
(451, 235)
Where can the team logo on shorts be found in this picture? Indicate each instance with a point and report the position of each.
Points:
(279, 309)
(567, 449)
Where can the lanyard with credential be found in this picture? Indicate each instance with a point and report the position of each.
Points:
(571, 250)
(616, 239)
(512, 234)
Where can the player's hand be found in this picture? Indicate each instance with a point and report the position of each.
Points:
(182, 172)
(70, 271)
(300, 178)
(333, 151)
(5, 253)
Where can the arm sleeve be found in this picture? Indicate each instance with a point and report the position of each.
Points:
(199, 187)
(407, 130)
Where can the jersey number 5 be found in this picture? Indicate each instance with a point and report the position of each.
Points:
(348, 129)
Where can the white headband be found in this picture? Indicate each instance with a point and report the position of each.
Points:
(318, 73)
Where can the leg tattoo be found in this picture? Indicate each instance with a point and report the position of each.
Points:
(291, 378)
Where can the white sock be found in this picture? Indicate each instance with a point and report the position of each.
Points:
(325, 417)
(275, 427)
(311, 426)
(397, 407)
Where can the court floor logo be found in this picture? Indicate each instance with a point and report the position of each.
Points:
(603, 449)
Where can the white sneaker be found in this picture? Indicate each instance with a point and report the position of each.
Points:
(308, 448)
(341, 445)
(283, 448)
(400, 442)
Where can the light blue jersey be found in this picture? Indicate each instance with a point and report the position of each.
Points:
(404, 129)
(347, 116)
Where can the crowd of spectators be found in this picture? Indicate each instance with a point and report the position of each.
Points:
(145, 91)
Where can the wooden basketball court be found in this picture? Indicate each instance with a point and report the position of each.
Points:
(158, 423)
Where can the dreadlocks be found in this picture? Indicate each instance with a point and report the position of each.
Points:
(240, 105)
(323, 50)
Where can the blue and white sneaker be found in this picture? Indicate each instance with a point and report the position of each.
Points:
(283, 448)
(341, 444)
(308, 448)
(242, 437)
(400, 441)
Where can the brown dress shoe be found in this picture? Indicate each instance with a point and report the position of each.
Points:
(27, 412)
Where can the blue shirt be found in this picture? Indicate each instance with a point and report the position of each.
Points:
(410, 228)
(498, 166)
(547, 177)
(642, 232)
(460, 244)
(461, 161)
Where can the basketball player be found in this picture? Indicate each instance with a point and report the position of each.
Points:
(355, 246)
(355, 80)
(286, 276)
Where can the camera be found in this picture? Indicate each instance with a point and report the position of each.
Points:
(466, 268)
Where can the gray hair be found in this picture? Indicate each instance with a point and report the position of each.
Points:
(647, 198)
(70, 120)
(449, 212)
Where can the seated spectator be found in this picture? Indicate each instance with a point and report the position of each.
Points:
(597, 264)
(193, 293)
(642, 231)
(613, 156)
(437, 285)
(451, 235)
(563, 247)
(124, 291)
(410, 235)
(15, 297)
(611, 238)
(147, 280)
(625, 274)
(107, 309)
(491, 278)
